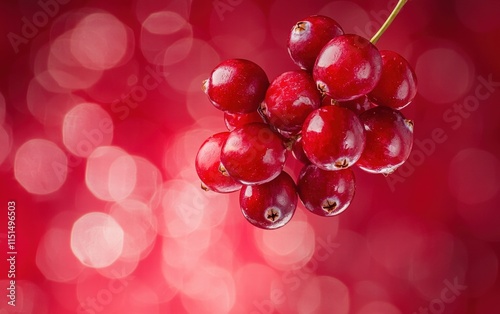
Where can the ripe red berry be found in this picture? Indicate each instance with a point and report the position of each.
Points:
(308, 37)
(358, 105)
(325, 193)
(253, 154)
(270, 205)
(389, 139)
(298, 151)
(236, 120)
(289, 99)
(208, 166)
(347, 67)
(398, 84)
(333, 137)
(237, 86)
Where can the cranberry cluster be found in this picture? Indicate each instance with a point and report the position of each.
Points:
(340, 109)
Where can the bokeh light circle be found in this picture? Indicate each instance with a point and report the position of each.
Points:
(5, 143)
(162, 33)
(209, 289)
(40, 166)
(97, 239)
(139, 227)
(99, 41)
(193, 57)
(85, 127)
(62, 67)
(49, 108)
(324, 294)
(351, 16)
(164, 22)
(291, 245)
(238, 32)
(54, 257)
(111, 173)
(450, 77)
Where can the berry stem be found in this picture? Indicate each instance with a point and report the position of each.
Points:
(388, 22)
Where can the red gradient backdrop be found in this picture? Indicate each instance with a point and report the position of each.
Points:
(102, 113)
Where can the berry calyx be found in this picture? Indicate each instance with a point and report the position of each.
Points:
(253, 154)
(209, 168)
(325, 193)
(389, 139)
(333, 137)
(348, 67)
(270, 205)
(308, 37)
(237, 86)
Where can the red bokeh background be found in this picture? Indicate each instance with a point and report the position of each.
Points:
(101, 115)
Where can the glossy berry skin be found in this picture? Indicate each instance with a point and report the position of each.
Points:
(333, 137)
(326, 193)
(298, 151)
(236, 120)
(308, 37)
(253, 154)
(237, 86)
(289, 100)
(358, 105)
(389, 139)
(398, 84)
(347, 67)
(270, 205)
(208, 166)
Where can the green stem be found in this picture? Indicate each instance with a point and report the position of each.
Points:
(388, 22)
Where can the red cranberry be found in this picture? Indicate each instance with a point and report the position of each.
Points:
(347, 67)
(208, 166)
(309, 36)
(333, 137)
(398, 84)
(289, 99)
(270, 205)
(325, 193)
(237, 86)
(236, 120)
(358, 105)
(389, 139)
(298, 151)
(253, 154)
